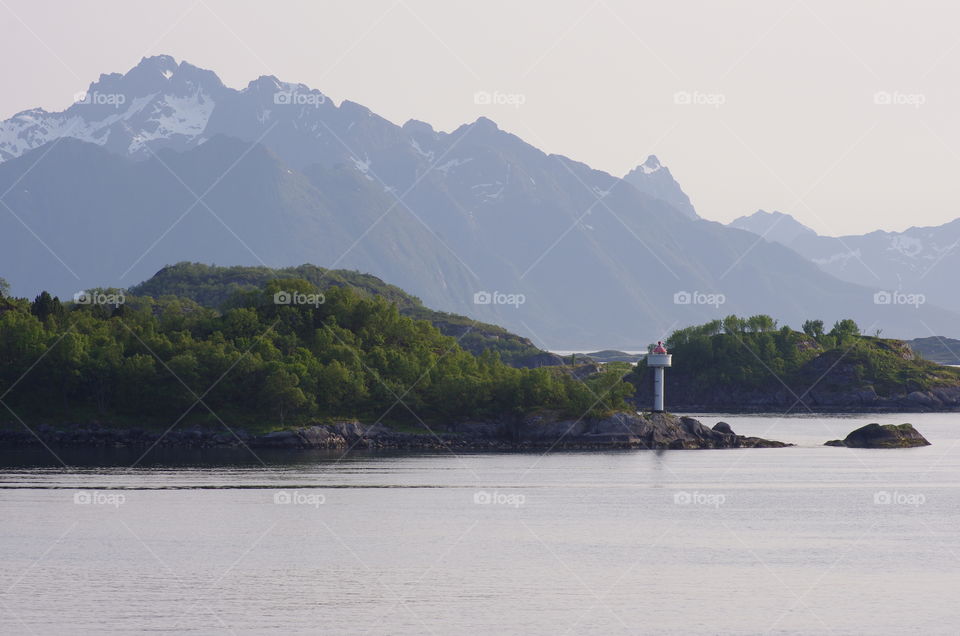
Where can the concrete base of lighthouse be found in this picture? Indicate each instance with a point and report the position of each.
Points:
(658, 362)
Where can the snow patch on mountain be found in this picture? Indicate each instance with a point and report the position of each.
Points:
(906, 245)
(842, 258)
(428, 155)
(453, 163)
(173, 115)
(362, 166)
(599, 192)
(31, 129)
(169, 115)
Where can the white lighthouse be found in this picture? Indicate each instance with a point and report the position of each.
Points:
(658, 360)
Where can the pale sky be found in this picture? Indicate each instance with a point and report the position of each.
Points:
(783, 113)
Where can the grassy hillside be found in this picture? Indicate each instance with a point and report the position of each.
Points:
(222, 287)
(259, 364)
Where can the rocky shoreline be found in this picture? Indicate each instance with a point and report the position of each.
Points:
(541, 432)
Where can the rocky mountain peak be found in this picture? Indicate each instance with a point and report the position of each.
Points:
(652, 164)
(655, 180)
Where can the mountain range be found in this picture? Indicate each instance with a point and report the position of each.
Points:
(918, 263)
(165, 164)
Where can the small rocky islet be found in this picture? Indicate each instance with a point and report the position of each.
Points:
(882, 436)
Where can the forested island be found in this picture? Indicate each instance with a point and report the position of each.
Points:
(753, 364)
(310, 357)
(341, 361)
(340, 354)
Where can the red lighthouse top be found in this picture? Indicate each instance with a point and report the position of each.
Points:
(659, 348)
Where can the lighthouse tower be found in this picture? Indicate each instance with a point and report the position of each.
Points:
(658, 360)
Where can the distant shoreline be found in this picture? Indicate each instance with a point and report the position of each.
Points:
(800, 410)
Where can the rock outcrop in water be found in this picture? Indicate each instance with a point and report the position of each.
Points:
(633, 430)
(544, 431)
(886, 436)
(723, 427)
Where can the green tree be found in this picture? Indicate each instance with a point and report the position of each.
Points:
(844, 329)
(734, 324)
(813, 328)
(46, 305)
(281, 389)
(67, 359)
(761, 323)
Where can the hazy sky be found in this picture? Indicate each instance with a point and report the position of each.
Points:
(783, 110)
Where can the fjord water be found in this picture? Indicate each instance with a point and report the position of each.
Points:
(802, 540)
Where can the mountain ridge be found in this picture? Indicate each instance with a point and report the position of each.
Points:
(462, 219)
(918, 261)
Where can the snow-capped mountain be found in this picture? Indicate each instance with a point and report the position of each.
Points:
(158, 103)
(164, 104)
(166, 164)
(919, 260)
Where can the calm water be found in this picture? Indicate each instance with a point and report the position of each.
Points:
(796, 540)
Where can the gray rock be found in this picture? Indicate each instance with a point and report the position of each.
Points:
(349, 429)
(723, 427)
(949, 396)
(318, 437)
(924, 398)
(653, 430)
(886, 436)
(277, 439)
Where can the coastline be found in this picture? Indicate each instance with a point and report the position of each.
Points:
(622, 430)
